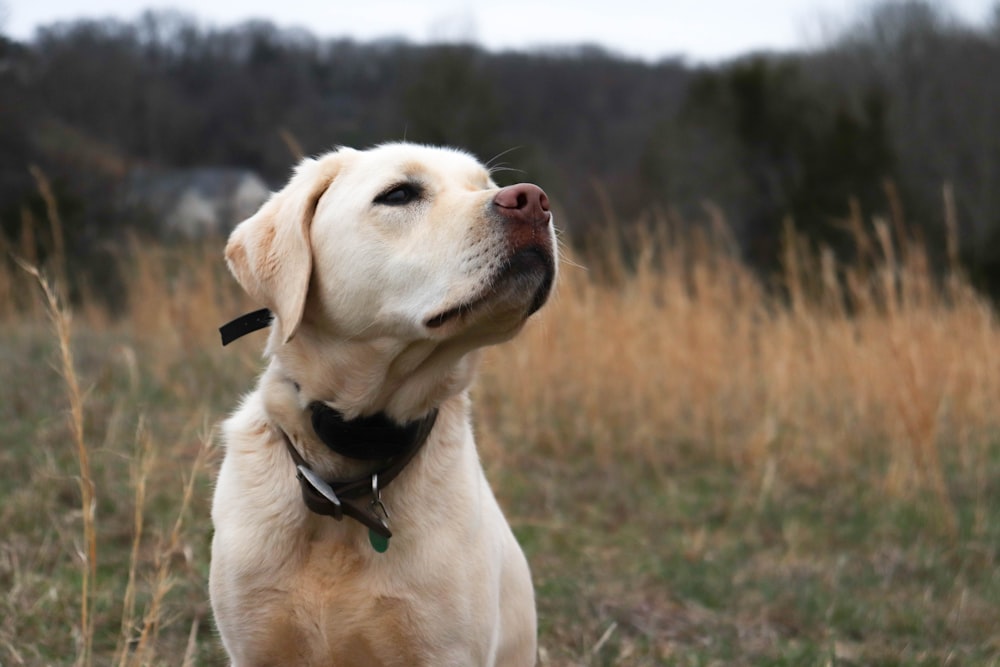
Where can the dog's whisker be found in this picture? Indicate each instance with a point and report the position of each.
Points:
(568, 262)
(499, 168)
(499, 155)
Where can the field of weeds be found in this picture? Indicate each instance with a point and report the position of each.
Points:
(703, 469)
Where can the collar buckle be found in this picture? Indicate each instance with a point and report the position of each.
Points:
(319, 496)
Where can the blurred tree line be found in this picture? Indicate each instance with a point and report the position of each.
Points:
(901, 101)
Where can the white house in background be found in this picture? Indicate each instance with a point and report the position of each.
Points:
(194, 203)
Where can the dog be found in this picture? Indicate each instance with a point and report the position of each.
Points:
(353, 521)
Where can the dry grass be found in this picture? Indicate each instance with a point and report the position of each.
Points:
(689, 353)
(702, 470)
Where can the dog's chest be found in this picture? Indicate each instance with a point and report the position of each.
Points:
(333, 611)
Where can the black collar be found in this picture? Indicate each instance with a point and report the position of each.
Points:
(245, 324)
(364, 438)
(359, 497)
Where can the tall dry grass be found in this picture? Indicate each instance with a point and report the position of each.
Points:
(61, 320)
(689, 354)
(139, 628)
(28, 293)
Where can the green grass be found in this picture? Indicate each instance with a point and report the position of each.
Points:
(692, 570)
(40, 517)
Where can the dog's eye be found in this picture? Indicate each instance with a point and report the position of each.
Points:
(399, 195)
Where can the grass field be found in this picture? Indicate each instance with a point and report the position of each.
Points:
(701, 470)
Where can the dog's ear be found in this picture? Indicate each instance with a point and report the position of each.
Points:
(270, 253)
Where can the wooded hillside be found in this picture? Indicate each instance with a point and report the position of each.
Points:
(905, 101)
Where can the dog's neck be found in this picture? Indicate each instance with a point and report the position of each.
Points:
(363, 377)
(357, 379)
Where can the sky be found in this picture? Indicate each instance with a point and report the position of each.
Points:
(699, 30)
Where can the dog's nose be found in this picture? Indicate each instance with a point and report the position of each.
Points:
(523, 203)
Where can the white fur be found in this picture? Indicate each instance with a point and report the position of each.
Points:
(353, 285)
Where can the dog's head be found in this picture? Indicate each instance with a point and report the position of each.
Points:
(401, 241)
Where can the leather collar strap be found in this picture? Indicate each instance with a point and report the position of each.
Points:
(357, 497)
(364, 438)
(245, 324)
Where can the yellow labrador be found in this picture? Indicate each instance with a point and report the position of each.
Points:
(353, 522)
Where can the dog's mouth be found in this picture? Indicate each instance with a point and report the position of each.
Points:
(526, 278)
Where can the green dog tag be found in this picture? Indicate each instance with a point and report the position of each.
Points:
(379, 542)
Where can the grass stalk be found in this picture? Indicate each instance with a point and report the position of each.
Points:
(141, 468)
(58, 238)
(169, 550)
(61, 319)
